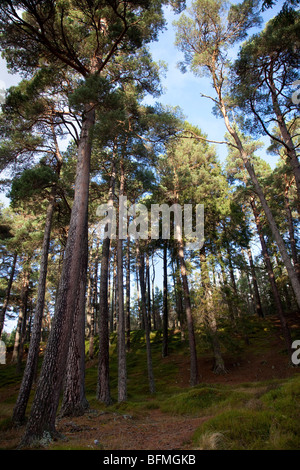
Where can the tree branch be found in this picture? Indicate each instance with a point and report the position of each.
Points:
(198, 137)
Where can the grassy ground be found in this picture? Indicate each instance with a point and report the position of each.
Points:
(256, 405)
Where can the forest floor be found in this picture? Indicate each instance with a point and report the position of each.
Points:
(258, 398)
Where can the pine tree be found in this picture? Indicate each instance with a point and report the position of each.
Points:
(203, 36)
(113, 27)
(263, 75)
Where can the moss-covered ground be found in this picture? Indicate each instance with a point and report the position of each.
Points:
(256, 405)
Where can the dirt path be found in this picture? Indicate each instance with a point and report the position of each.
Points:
(112, 431)
(153, 429)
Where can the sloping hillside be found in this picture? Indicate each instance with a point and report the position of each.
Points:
(256, 405)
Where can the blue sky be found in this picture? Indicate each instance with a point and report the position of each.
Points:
(181, 90)
(184, 90)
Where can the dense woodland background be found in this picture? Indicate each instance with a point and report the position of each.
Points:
(86, 73)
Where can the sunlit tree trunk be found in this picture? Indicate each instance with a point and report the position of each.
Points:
(165, 302)
(291, 228)
(127, 326)
(141, 267)
(33, 352)
(46, 400)
(271, 275)
(74, 401)
(103, 385)
(22, 321)
(259, 191)
(210, 317)
(122, 369)
(194, 374)
(7, 293)
(258, 307)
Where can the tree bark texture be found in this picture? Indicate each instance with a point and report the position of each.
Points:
(33, 352)
(7, 294)
(194, 375)
(258, 307)
(22, 321)
(271, 275)
(165, 303)
(74, 401)
(210, 318)
(259, 191)
(127, 325)
(103, 386)
(41, 421)
(122, 369)
(141, 264)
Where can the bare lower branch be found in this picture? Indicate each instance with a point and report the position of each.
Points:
(210, 98)
(196, 136)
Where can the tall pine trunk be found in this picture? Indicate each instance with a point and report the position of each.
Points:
(194, 375)
(127, 325)
(22, 321)
(94, 305)
(41, 422)
(103, 385)
(140, 312)
(7, 293)
(179, 301)
(258, 307)
(210, 318)
(33, 352)
(141, 267)
(228, 293)
(122, 370)
(286, 136)
(74, 401)
(90, 314)
(271, 275)
(165, 302)
(148, 290)
(259, 191)
(291, 228)
(155, 327)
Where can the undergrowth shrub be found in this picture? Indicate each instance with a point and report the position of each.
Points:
(272, 424)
